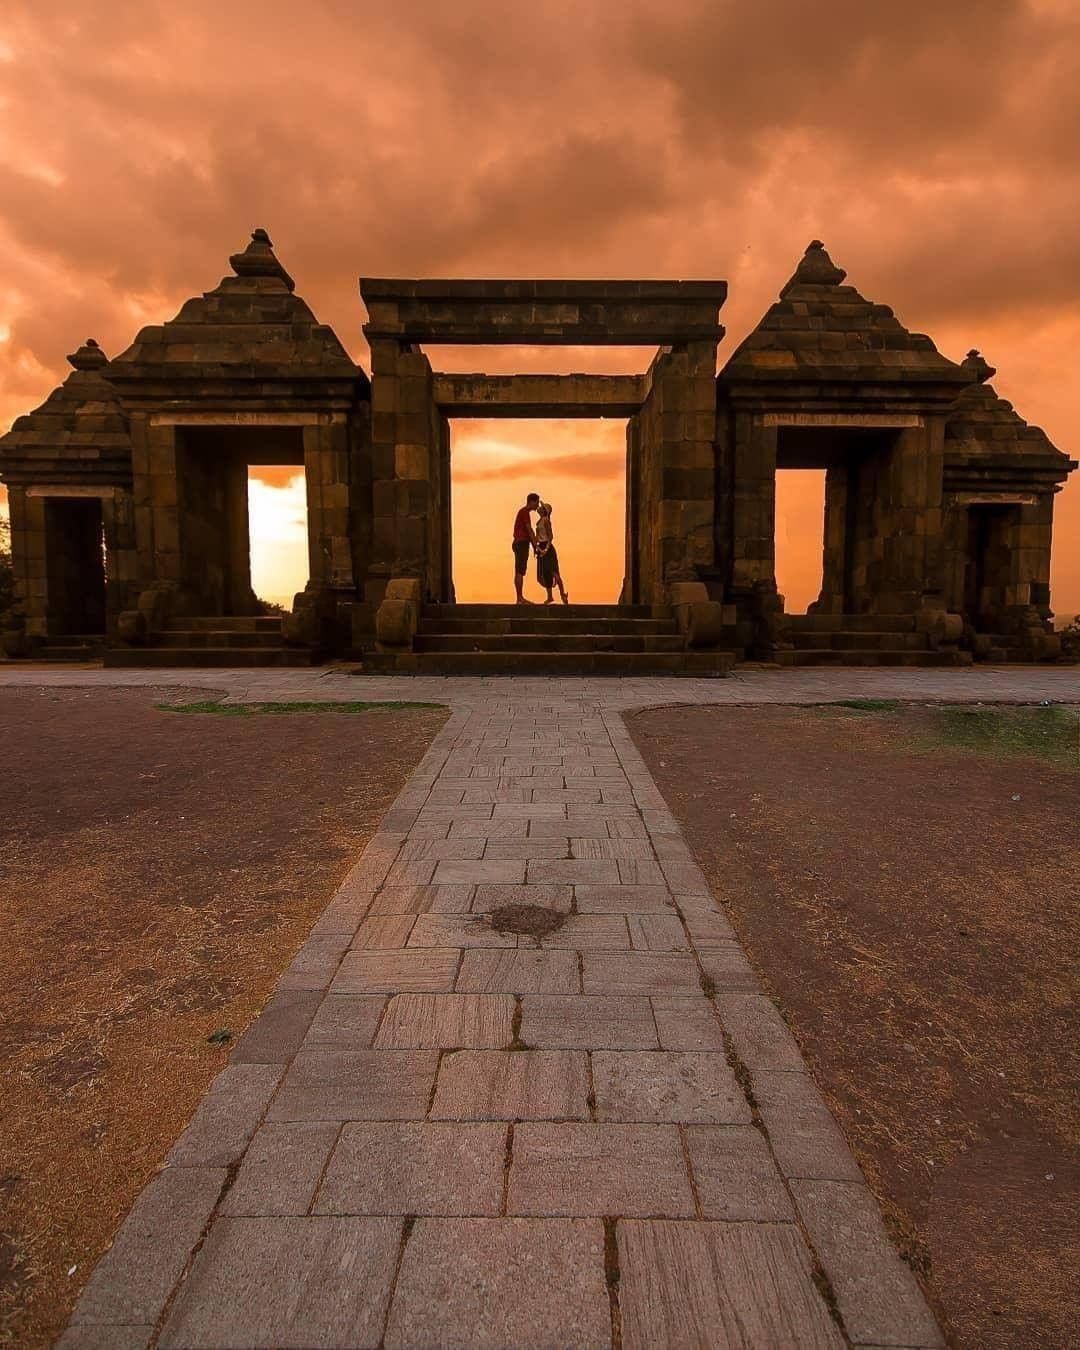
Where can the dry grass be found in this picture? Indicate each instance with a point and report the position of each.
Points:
(906, 881)
(160, 872)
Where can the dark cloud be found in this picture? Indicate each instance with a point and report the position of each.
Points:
(595, 467)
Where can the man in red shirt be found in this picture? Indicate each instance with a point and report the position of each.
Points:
(524, 541)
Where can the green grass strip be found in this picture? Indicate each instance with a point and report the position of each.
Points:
(865, 704)
(1048, 733)
(216, 708)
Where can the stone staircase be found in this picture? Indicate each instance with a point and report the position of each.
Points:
(71, 647)
(862, 640)
(540, 640)
(250, 640)
(1006, 648)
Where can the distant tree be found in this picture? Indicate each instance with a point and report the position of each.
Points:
(1070, 639)
(7, 569)
(269, 606)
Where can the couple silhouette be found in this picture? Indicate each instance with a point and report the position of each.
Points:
(540, 541)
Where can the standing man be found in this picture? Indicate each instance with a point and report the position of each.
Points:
(524, 541)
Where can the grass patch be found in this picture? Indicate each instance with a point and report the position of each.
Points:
(219, 709)
(1051, 733)
(864, 704)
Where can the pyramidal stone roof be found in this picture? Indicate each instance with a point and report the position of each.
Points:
(821, 330)
(79, 431)
(984, 424)
(251, 326)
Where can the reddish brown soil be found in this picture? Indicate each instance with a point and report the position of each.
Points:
(913, 913)
(159, 872)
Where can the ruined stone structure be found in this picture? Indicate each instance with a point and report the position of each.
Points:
(128, 486)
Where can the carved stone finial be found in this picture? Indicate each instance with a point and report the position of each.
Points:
(259, 260)
(817, 268)
(976, 367)
(89, 356)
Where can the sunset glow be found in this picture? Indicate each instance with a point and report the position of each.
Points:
(691, 140)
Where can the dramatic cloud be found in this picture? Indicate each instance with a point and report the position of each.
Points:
(932, 146)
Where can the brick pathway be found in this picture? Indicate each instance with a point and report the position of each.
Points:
(440, 1133)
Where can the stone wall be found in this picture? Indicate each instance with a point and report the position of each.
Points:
(410, 440)
(671, 470)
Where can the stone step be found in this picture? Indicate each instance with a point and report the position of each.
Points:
(548, 642)
(71, 649)
(852, 623)
(163, 658)
(542, 612)
(541, 664)
(863, 641)
(232, 623)
(828, 656)
(557, 623)
(214, 637)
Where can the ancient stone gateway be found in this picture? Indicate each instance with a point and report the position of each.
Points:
(129, 508)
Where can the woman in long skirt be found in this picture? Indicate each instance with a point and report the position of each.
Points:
(547, 560)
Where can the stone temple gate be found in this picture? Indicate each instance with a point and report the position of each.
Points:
(128, 486)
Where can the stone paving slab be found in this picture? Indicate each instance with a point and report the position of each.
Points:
(521, 971)
(356, 1085)
(598, 1023)
(733, 1285)
(281, 1169)
(443, 1132)
(687, 1088)
(410, 1167)
(599, 1169)
(528, 1085)
(502, 1283)
(447, 1022)
(287, 1282)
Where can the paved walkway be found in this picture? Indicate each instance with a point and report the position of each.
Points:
(1002, 684)
(444, 1130)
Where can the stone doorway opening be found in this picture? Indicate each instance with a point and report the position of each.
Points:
(75, 578)
(853, 464)
(278, 529)
(214, 465)
(800, 536)
(578, 465)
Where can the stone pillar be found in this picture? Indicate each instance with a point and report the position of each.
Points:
(909, 521)
(27, 516)
(753, 505)
(631, 589)
(327, 455)
(121, 555)
(676, 431)
(955, 519)
(835, 563)
(155, 493)
(1029, 547)
(236, 541)
(409, 441)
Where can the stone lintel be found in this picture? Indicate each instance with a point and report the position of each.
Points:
(879, 421)
(244, 419)
(71, 490)
(578, 313)
(523, 330)
(539, 395)
(995, 498)
(550, 292)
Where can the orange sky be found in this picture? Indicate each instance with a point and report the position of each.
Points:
(933, 147)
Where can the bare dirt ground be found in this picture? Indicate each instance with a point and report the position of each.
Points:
(907, 883)
(159, 871)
